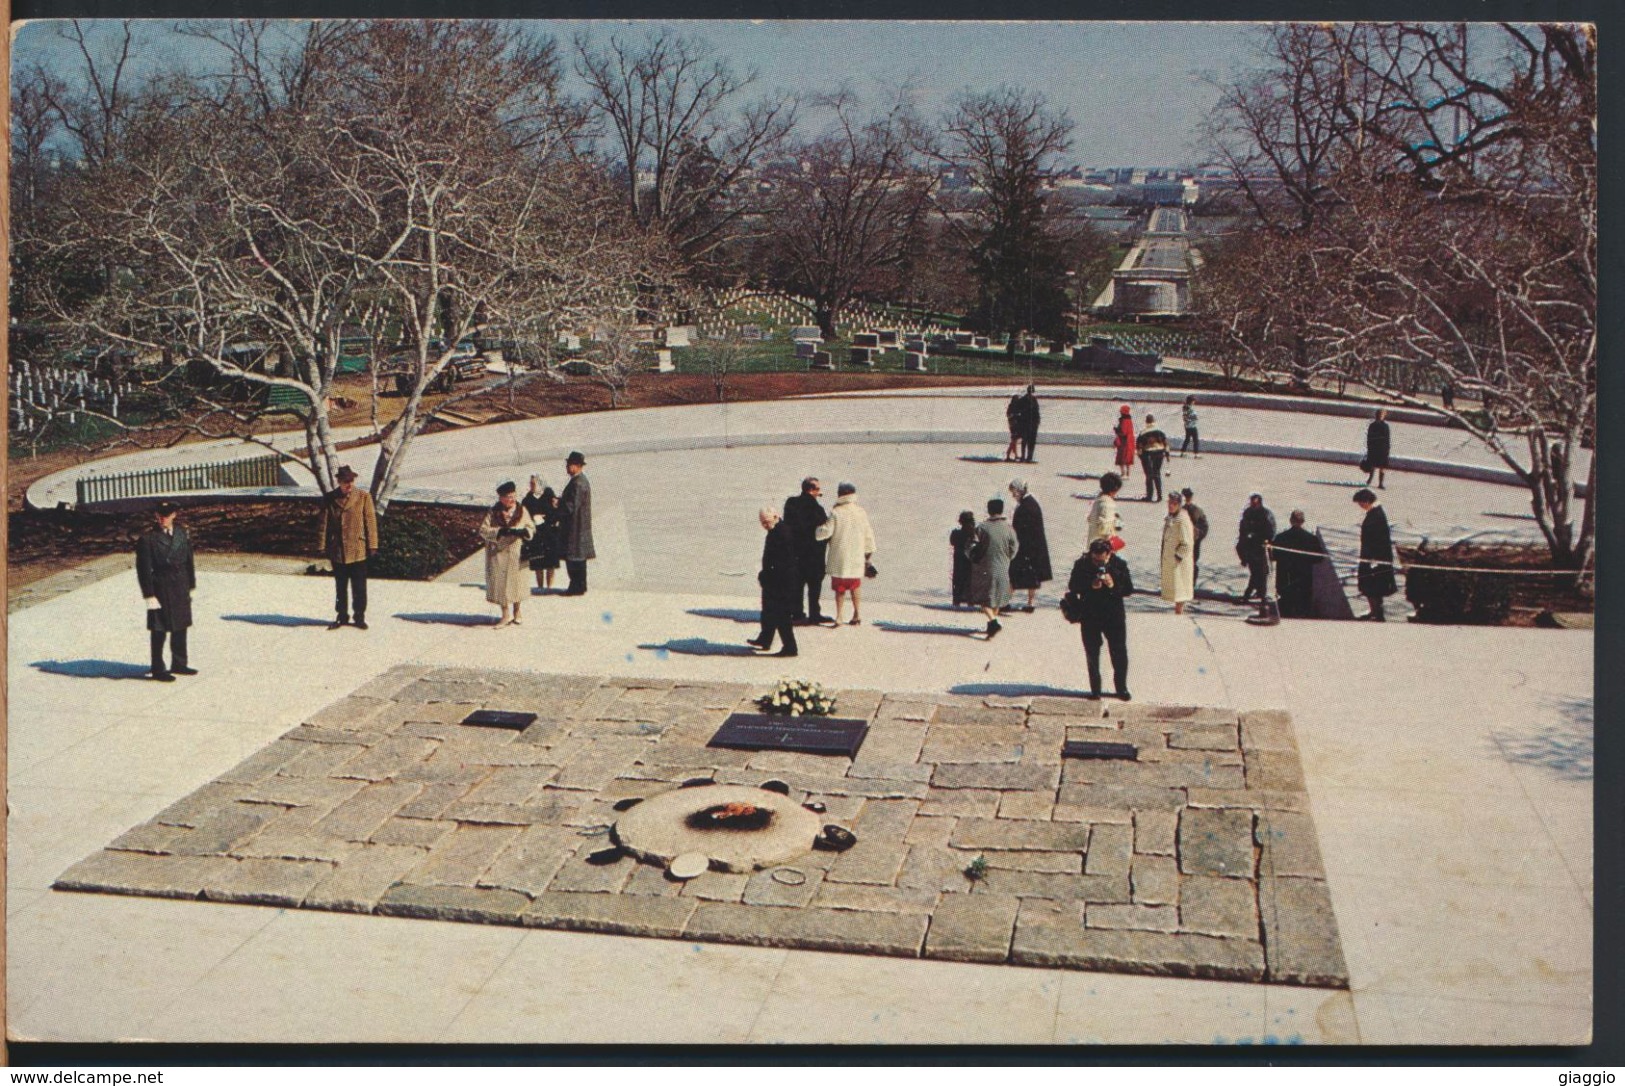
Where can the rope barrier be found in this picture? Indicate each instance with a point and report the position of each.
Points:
(1344, 556)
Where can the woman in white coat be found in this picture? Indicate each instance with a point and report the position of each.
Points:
(1178, 546)
(851, 544)
(505, 530)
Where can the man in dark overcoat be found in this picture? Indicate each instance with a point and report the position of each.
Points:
(780, 578)
(164, 570)
(1029, 424)
(1295, 571)
(1252, 546)
(1378, 441)
(575, 530)
(1199, 522)
(802, 515)
(1375, 576)
(1100, 579)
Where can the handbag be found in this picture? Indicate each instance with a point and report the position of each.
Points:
(1072, 608)
(1118, 543)
(869, 570)
(1365, 465)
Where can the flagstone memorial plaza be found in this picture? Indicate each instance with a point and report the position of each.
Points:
(1327, 832)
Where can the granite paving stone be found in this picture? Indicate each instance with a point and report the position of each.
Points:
(961, 803)
(510, 784)
(576, 875)
(937, 750)
(893, 771)
(1120, 797)
(1215, 906)
(979, 716)
(1256, 799)
(1204, 737)
(1160, 953)
(1016, 778)
(1287, 846)
(809, 929)
(359, 817)
(843, 810)
(294, 836)
(973, 927)
(930, 830)
(651, 880)
(144, 873)
(1107, 889)
(1110, 846)
(434, 800)
(618, 914)
(1133, 917)
(1300, 933)
(764, 889)
(228, 826)
(461, 858)
(876, 899)
(928, 867)
(324, 793)
(1002, 833)
(441, 902)
(716, 886)
(869, 861)
(387, 758)
(887, 819)
(1156, 832)
(1074, 812)
(151, 837)
(420, 832)
(1216, 842)
(529, 860)
(1205, 774)
(1027, 805)
(1061, 863)
(279, 882)
(1051, 705)
(1154, 880)
(265, 763)
(199, 804)
(1274, 769)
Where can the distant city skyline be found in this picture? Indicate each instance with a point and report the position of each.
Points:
(1136, 92)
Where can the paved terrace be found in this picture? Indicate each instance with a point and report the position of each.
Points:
(1447, 773)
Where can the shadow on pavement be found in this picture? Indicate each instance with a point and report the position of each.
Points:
(1333, 482)
(733, 614)
(985, 460)
(448, 618)
(1013, 690)
(92, 669)
(909, 627)
(698, 646)
(276, 620)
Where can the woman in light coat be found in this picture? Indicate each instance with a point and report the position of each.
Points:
(505, 529)
(1104, 521)
(996, 545)
(1178, 549)
(851, 544)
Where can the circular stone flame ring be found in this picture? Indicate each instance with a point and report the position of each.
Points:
(657, 830)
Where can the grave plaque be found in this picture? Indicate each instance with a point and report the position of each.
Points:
(865, 339)
(752, 332)
(499, 718)
(822, 361)
(807, 332)
(802, 734)
(862, 356)
(915, 362)
(887, 337)
(806, 348)
(1082, 748)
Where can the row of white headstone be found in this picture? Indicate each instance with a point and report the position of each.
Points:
(39, 393)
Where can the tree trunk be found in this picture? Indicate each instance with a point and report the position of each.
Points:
(824, 317)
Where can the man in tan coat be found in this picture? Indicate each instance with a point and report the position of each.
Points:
(349, 535)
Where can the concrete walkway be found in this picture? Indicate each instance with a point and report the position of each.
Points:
(1449, 774)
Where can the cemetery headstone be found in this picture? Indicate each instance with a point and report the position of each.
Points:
(803, 332)
(980, 343)
(915, 363)
(751, 332)
(866, 339)
(680, 335)
(822, 361)
(862, 356)
(887, 337)
(806, 348)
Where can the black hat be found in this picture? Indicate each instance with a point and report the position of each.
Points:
(576, 458)
(508, 487)
(1100, 546)
(1364, 495)
(165, 509)
(345, 474)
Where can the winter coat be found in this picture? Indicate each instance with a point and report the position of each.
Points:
(1187, 414)
(1030, 568)
(1104, 520)
(963, 542)
(164, 570)
(1102, 607)
(1198, 521)
(349, 526)
(851, 540)
(803, 513)
(1029, 415)
(1377, 439)
(780, 576)
(1178, 558)
(575, 520)
(504, 572)
(996, 545)
(1124, 441)
(1256, 529)
(1153, 440)
(1012, 416)
(1294, 573)
(1376, 545)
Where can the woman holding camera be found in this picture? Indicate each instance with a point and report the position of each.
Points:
(505, 530)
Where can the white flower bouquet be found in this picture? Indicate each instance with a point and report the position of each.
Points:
(797, 697)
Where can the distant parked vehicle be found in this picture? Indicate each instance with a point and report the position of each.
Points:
(466, 364)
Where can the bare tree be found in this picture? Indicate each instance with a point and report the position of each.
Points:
(1006, 142)
(844, 208)
(721, 360)
(1446, 229)
(684, 141)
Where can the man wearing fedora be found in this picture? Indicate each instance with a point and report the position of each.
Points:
(349, 536)
(164, 570)
(575, 532)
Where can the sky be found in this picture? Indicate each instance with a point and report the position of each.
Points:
(1136, 92)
